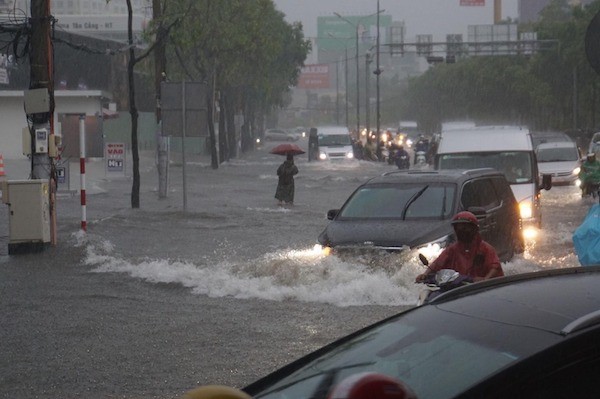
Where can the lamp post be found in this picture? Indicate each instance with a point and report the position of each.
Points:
(377, 73)
(368, 61)
(356, 26)
(346, 84)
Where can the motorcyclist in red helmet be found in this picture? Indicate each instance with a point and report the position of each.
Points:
(470, 255)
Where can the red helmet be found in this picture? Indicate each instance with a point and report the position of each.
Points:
(465, 217)
(371, 385)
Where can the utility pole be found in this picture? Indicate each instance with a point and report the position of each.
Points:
(41, 69)
(39, 104)
(378, 72)
(346, 87)
(368, 61)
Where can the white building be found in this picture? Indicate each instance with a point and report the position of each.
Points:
(68, 102)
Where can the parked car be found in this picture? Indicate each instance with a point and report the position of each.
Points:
(412, 209)
(533, 335)
(561, 160)
(300, 131)
(280, 135)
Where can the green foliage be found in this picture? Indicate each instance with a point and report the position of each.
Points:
(539, 91)
(240, 43)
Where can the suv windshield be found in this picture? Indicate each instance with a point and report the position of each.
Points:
(334, 139)
(387, 201)
(559, 154)
(516, 165)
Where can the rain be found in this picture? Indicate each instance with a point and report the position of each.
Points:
(211, 281)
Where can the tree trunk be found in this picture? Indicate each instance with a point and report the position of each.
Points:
(223, 147)
(230, 123)
(135, 189)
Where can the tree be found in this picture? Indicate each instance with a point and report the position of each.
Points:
(132, 60)
(244, 49)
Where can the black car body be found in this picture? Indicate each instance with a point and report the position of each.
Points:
(534, 335)
(412, 209)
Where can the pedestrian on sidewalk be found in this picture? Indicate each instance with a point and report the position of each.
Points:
(285, 185)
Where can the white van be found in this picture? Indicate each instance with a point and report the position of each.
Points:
(334, 143)
(561, 160)
(508, 149)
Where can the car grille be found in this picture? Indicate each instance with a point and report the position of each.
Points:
(386, 257)
(562, 174)
(337, 155)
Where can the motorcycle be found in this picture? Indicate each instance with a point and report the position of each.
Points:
(403, 161)
(439, 282)
(592, 189)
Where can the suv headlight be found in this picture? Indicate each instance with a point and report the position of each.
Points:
(526, 209)
(322, 156)
(433, 249)
(349, 155)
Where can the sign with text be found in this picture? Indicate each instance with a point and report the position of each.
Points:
(115, 157)
(472, 2)
(184, 100)
(315, 76)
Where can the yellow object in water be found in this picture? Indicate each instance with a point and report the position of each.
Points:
(216, 392)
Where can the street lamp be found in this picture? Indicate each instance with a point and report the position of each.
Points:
(378, 72)
(356, 26)
(368, 61)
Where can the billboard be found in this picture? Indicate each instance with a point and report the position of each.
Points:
(472, 2)
(335, 34)
(315, 76)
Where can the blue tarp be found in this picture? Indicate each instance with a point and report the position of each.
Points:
(587, 238)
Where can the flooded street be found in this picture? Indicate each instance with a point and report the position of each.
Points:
(154, 301)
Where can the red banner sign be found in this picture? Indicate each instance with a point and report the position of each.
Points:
(472, 2)
(315, 76)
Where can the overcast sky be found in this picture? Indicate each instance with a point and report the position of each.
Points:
(421, 16)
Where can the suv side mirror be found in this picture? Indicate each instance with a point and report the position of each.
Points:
(332, 213)
(546, 182)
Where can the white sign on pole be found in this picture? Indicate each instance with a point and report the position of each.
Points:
(114, 154)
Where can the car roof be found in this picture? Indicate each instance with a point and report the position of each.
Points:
(562, 136)
(485, 138)
(560, 301)
(557, 144)
(432, 176)
(332, 130)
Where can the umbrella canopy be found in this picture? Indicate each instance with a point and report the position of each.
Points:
(286, 148)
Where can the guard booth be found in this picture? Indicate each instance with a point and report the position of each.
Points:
(29, 214)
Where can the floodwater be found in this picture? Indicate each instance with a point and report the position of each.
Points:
(154, 301)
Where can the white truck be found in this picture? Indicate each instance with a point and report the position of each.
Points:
(508, 149)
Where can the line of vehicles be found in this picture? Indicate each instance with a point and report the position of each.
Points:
(530, 335)
(530, 162)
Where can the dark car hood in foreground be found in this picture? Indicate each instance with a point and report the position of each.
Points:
(383, 233)
(523, 315)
